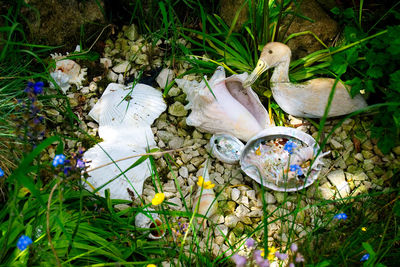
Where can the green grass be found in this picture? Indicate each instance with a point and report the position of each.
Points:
(71, 226)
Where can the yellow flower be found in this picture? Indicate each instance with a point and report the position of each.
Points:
(364, 229)
(158, 199)
(205, 185)
(262, 252)
(271, 253)
(151, 265)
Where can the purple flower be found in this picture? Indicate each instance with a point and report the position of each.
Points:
(294, 247)
(296, 168)
(289, 146)
(340, 216)
(23, 242)
(250, 242)
(1, 172)
(80, 164)
(240, 261)
(365, 257)
(299, 257)
(261, 262)
(58, 160)
(291, 264)
(281, 256)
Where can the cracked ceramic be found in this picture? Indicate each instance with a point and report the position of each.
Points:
(223, 106)
(307, 99)
(149, 219)
(125, 116)
(282, 159)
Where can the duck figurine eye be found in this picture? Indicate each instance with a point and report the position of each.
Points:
(307, 99)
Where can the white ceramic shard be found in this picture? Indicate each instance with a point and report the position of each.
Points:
(165, 77)
(67, 72)
(208, 204)
(149, 219)
(223, 105)
(125, 116)
(226, 148)
(267, 160)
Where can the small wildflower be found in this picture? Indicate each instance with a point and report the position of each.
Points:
(281, 256)
(289, 146)
(240, 261)
(271, 253)
(80, 164)
(365, 257)
(291, 264)
(259, 258)
(340, 216)
(1, 172)
(299, 257)
(38, 87)
(23, 242)
(151, 265)
(250, 242)
(158, 199)
(58, 160)
(364, 229)
(296, 168)
(294, 247)
(205, 185)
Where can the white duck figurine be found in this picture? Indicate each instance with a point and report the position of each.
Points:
(307, 99)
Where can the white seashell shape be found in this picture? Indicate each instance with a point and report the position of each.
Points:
(67, 72)
(230, 108)
(124, 116)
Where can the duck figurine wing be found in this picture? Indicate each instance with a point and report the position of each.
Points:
(307, 99)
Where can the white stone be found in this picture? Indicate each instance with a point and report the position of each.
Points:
(326, 191)
(242, 211)
(221, 230)
(335, 144)
(235, 194)
(107, 63)
(269, 198)
(112, 76)
(231, 220)
(184, 172)
(165, 77)
(176, 201)
(338, 179)
(122, 67)
(245, 201)
(251, 194)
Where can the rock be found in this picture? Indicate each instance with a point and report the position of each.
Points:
(336, 145)
(359, 157)
(244, 200)
(219, 240)
(269, 198)
(322, 25)
(221, 230)
(176, 142)
(177, 109)
(239, 228)
(184, 172)
(338, 179)
(280, 196)
(251, 194)
(326, 191)
(242, 211)
(368, 165)
(122, 67)
(174, 91)
(121, 207)
(165, 77)
(396, 150)
(107, 63)
(231, 220)
(367, 154)
(367, 145)
(235, 194)
(112, 76)
(176, 201)
(131, 32)
(165, 136)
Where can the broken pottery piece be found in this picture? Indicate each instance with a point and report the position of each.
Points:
(223, 105)
(282, 159)
(125, 116)
(226, 148)
(149, 219)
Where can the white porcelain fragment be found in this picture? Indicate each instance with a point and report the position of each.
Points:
(149, 219)
(223, 105)
(226, 148)
(125, 116)
(208, 204)
(67, 72)
(265, 159)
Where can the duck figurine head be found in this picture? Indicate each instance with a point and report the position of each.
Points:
(308, 99)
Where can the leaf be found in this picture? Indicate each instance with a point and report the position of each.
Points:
(395, 81)
(369, 249)
(396, 208)
(375, 72)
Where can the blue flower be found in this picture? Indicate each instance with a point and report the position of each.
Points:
(38, 88)
(23, 242)
(296, 168)
(80, 164)
(365, 257)
(58, 160)
(289, 146)
(340, 216)
(1, 172)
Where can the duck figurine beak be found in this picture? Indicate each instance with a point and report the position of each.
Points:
(261, 67)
